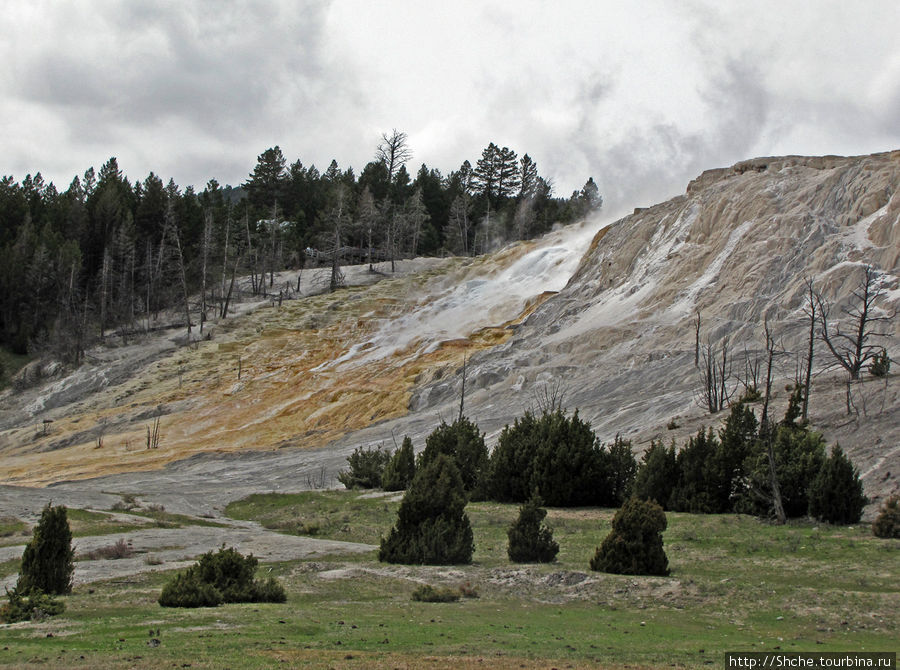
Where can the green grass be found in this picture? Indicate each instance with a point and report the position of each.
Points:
(736, 585)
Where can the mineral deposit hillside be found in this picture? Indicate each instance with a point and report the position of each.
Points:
(603, 316)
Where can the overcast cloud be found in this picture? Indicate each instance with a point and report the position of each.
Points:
(641, 95)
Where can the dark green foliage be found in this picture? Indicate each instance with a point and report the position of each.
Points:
(700, 484)
(432, 526)
(836, 494)
(225, 576)
(530, 540)
(464, 443)
(736, 442)
(400, 469)
(795, 407)
(32, 606)
(635, 544)
(620, 468)
(511, 460)
(426, 593)
(366, 468)
(880, 365)
(799, 454)
(186, 589)
(48, 559)
(568, 466)
(887, 524)
(657, 474)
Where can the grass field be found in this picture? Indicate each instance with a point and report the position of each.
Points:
(737, 584)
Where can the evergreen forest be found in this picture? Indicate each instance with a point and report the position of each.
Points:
(108, 255)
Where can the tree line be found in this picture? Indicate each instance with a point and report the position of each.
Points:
(108, 254)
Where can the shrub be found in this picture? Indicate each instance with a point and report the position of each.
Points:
(400, 469)
(700, 482)
(620, 468)
(225, 576)
(568, 465)
(530, 540)
(836, 494)
(426, 593)
(121, 549)
(32, 606)
(432, 527)
(48, 559)
(880, 365)
(464, 443)
(635, 544)
(657, 474)
(887, 524)
(186, 589)
(512, 458)
(366, 468)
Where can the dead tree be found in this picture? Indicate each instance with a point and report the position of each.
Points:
(811, 311)
(715, 374)
(766, 429)
(853, 348)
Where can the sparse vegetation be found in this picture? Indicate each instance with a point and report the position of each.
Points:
(431, 594)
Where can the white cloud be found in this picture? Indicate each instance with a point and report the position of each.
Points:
(639, 95)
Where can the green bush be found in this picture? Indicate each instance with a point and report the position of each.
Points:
(530, 540)
(400, 470)
(511, 460)
(429, 594)
(366, 468)
(32, 606)
(887, 524)
(620, 468)
(186, 589)
(836, 494)
(464, 443)
(657, 474)
(48, 559)
(700, 482)
(225, 576)
(635, 544)
(568, 466)
(880, 365)
(432, 527)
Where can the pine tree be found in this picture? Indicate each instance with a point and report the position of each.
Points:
(47, 562)
(635, 544)
(464, 443)
(401, 469)
(530, 540)
(432, 526)
(657, 474)
(836, 494)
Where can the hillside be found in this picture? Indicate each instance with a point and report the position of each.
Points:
(609, 322)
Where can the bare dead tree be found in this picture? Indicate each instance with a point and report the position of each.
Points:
(767, 433)
(811, 311)
(697, 341)
(715, 376)
(549, 398)
(393, 151)
(462, 391)
(853, 348)
(750, 377)
(207, 235)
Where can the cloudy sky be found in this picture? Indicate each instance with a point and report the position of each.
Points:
(640, 94)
